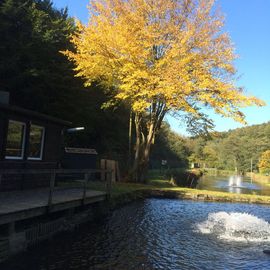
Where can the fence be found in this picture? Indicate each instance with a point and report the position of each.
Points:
(65, 174)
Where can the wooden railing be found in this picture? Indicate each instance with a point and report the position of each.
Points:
(53, 174)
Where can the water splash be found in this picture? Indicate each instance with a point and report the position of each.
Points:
(235, 181)
(235, 226)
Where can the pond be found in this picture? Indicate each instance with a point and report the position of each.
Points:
(222, 183)
(160, 234)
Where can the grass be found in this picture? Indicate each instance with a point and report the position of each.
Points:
(165, 185)
(157, 182)
(261, 178)
(122, 188)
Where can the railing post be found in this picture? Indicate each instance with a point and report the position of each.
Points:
(52, 183)
(108, 183)
(86, 177)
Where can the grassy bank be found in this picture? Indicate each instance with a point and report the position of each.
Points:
(159, 186)
(260, 178)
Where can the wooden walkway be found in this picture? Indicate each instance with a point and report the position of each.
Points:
(19, 205)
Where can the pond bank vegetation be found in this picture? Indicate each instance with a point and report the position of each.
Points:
(158, 185)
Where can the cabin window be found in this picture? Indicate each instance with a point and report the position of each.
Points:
(15, 140)
(36, 142)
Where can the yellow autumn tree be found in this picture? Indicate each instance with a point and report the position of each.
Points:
(160, 56)
(264, 162)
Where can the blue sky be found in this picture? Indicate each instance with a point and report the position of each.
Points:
(248, 23)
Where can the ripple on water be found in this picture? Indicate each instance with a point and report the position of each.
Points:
(159, 234)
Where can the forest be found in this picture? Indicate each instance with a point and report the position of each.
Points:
(40, 78)
(171, 201)
(237, 149)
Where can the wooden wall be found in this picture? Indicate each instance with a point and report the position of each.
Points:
(51, 153)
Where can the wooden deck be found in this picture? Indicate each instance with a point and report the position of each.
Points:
(19, 205)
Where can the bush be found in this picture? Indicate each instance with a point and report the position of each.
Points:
(184, 178)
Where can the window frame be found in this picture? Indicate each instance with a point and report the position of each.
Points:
(22, 141)
(42, 142)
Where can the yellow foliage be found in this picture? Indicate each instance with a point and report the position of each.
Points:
(264, 163)
(165, 52)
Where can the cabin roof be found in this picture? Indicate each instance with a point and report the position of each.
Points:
(29, 113)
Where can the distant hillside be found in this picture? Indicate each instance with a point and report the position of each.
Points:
(237, 148)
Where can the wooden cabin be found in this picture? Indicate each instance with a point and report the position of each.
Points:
(28, 140)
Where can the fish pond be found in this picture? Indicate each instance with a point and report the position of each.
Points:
(160, 234)
(233, 184)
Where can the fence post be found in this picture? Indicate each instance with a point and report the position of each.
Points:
(86, 177)
(103, 166)
(52, 183)
(108, 183)
(118, 173)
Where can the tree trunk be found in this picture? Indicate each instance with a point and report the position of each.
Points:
(146, 153)
(145, 135)
(135, 169)
(142, 150)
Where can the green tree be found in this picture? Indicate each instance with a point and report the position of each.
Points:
(210, 154)
(31, 67)
(236, 149)
(169, 146)
(197, 150)
(40, 78)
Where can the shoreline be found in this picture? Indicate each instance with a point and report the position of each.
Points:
(17, 242)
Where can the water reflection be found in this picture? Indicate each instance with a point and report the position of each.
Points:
(236, 190)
